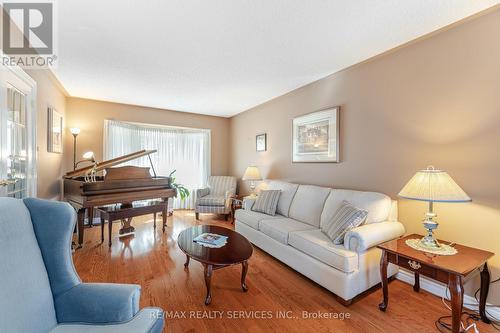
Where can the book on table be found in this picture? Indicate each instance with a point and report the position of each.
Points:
(209, 238)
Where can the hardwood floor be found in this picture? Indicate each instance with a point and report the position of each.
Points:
(154, 261)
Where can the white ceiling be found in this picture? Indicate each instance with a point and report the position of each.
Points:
(221, 57)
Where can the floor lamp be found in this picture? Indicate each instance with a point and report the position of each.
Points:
(74, 131)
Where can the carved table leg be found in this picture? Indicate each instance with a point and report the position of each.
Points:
(154, 221)
(383, 274)
(416, 285)
(244, 271)
(208, 283)
(81, 219)
(186, 264)
(457, 295)
(485, 286)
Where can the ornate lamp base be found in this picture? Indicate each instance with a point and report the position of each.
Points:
(429, 241)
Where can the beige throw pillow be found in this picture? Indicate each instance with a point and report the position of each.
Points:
(267, 202)
(345, 218)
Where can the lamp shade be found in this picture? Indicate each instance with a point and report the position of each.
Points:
(252, 173)
(88, 155)
(74, 130)
(434, 186)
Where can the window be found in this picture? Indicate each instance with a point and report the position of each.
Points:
(186, 150)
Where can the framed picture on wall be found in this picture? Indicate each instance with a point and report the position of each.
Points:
(261, 142)
(54, 131)
(316, 137)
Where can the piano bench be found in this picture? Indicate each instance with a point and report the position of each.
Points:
(125, 213)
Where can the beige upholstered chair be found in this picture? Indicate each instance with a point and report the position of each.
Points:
(216, 197)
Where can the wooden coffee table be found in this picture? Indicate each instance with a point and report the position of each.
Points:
(236, 251)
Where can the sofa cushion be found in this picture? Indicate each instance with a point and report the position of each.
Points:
(251, 218)
(279, 229)
(377, 204)
(212, 200)
(288, 191)
(316, 244)
(26, 303)
(308, 203)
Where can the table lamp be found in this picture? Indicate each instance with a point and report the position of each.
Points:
(252, 174)
(432, 185)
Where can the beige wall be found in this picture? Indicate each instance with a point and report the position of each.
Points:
(49, 165)
(435, 101)
(49, 92)
(89, 115)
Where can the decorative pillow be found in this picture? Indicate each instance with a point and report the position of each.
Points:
(345, 218)
(267, 202)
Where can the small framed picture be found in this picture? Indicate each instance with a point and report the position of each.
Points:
(316, 137)
(54, 131)
(261, 142)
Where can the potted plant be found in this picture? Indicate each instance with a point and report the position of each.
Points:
(181, 190)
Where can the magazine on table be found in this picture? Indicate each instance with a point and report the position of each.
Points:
(211, 239)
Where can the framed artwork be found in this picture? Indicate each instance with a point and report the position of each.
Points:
(261, 142)
(316, 137)
(54, 131)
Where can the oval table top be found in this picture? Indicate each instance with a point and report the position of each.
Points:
(236, 250)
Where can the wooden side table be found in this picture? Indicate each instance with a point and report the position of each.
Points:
(453, 270)
(236, 203)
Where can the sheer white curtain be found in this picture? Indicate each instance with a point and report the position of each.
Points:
(183, 149)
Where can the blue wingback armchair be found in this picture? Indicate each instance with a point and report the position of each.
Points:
(39, 288)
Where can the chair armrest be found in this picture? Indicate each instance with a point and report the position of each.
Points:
(366, 236)
(248, 202)
(98, 303)
(201, 192)
(230, 193)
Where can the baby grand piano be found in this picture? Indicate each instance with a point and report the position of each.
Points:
(118, 185)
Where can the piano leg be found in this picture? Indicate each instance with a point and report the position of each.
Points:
(91, 216)
(102, 230)
(164, 213)
(80, 220)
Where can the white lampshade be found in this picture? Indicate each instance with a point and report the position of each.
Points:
(74, 130)
(88, 155)
(434, 186)
(252, 173)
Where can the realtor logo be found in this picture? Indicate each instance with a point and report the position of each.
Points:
(28, 33)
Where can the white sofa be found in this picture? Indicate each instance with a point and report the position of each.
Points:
(294, 237)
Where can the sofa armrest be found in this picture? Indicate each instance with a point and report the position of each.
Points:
(366, 236)
(98, 303)
(248, 202)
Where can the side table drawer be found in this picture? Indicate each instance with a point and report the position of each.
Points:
(416, 266)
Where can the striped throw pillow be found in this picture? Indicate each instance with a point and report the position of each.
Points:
(345, 218)
(267, 202)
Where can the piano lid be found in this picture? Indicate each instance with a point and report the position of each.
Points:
(109, 163)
